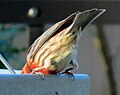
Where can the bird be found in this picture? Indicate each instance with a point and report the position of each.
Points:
(55, 51)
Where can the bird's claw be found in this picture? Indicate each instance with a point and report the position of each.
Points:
(36, 72)
(69, 74)
(67, 71)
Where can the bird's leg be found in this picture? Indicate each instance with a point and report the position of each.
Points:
(67, 71)
(35, 71)
(46, 65)
(74, 65)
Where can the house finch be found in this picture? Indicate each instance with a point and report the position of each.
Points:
(56, 49)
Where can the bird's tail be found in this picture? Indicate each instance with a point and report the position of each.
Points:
(83, 19)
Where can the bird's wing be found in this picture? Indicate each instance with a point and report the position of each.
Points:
(47, 35)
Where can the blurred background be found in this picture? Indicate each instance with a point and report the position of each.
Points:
(21, 22)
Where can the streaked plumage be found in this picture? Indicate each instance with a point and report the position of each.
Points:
(56, 49)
